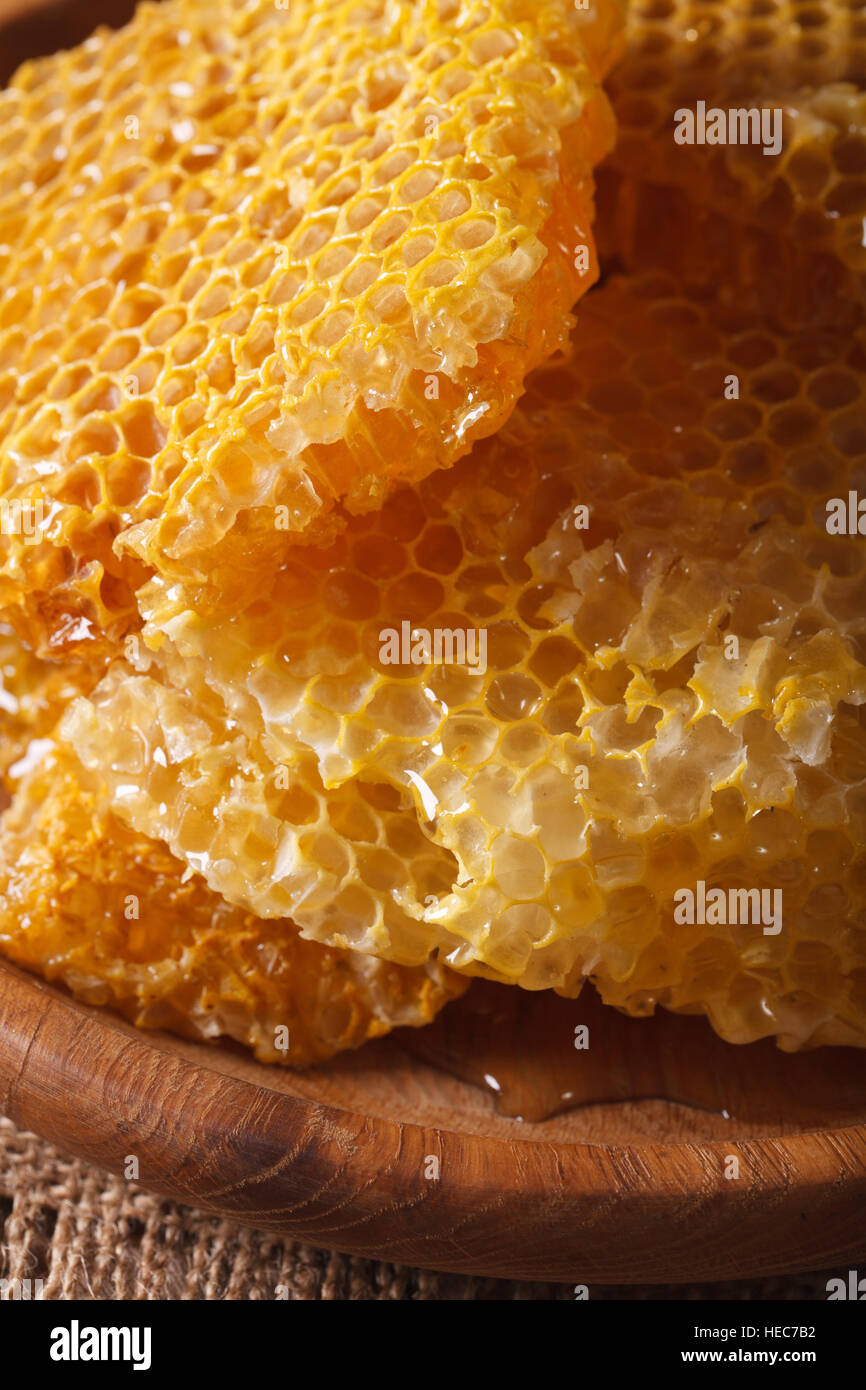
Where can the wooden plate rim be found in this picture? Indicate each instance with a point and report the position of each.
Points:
(335, 1177)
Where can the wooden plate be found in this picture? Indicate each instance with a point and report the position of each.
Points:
(339, 1157)
(343, 1156)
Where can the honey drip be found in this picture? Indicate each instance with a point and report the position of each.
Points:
(519, 1046)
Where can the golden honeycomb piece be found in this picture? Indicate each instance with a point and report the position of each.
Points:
(786, 225)
(117, 919)
(672, 692)
(258, 263)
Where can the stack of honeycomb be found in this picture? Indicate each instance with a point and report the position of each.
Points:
(664, 681)
(616, 747)
(255, 266)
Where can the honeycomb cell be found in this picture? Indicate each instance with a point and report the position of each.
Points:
(33, 694)
(678, 659)
(783, 228)
(316, 249)
(115, 918)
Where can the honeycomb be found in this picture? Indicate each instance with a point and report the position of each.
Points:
(644, 227)
(791, 225)
(114, 917)
(673, 690)
(326, 253)
(32, 695)
(259, 262)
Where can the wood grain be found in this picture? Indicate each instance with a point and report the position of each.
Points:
(322, 1158)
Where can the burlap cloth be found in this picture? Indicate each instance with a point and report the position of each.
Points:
(87, 1234)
